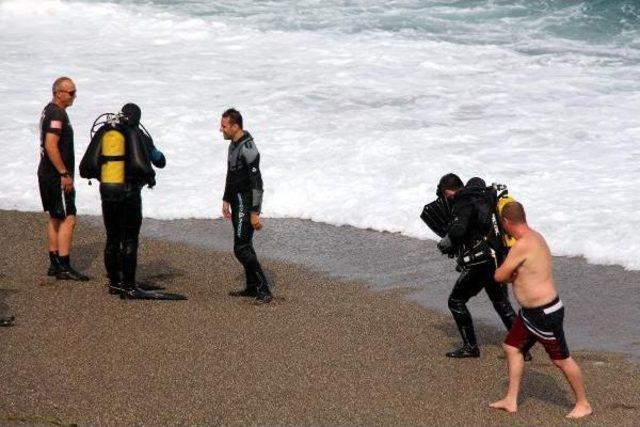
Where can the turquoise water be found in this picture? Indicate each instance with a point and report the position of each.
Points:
(614, 22)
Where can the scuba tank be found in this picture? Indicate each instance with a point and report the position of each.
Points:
(116, 155)
(112, 169)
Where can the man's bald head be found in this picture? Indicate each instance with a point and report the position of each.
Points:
(60, 85)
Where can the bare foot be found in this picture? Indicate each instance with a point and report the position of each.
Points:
(505, 405)
(580, 410)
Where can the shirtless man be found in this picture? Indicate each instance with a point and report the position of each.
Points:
(528, 266)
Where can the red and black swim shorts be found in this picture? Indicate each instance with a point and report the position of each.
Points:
(540, 324)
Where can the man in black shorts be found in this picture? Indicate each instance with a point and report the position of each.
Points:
(55, 179)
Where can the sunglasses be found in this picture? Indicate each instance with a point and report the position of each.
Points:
(70, 92)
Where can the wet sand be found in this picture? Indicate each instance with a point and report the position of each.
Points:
(603, 302)
(326, 351)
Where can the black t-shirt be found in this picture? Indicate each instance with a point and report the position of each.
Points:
(55, 120)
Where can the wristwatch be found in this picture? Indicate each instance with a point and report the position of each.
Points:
(64, 174)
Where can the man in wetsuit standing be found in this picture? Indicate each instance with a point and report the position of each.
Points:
(55, 179)
(472, 221)
(242, 201)
(529, 267)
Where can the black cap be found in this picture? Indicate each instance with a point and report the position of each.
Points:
(131, 113)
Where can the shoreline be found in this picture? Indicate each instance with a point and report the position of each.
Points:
(325, 351)
(385, 261)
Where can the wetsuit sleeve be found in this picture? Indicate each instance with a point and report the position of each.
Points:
(53, 122)
(155, 155)
(251, 158)
(460, 223)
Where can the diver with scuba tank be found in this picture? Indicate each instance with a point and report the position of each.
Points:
(464, 217)
(120, 156)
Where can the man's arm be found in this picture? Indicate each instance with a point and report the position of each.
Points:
(251, 158)
(51, 147)
(457, 229)
(516, 257)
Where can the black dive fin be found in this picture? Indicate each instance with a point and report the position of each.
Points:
(137, 293)
(437, 216)
(141, 293)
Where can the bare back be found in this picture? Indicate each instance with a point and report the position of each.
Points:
(530, 261)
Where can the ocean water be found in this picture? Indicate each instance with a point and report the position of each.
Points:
(357, 107)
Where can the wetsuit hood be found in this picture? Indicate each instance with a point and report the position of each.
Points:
(476, 182)
(132, 114)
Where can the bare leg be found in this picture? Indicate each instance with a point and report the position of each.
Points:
(515, 364)
(573, 373)
(65, 235)
(53, 226)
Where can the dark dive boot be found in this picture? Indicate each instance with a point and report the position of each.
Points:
(264, 295)
(54, 264)
(469, 346)
(69, 273)
(66, 272)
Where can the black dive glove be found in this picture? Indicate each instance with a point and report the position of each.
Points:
(445, 245)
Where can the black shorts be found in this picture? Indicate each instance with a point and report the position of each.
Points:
(55, 201)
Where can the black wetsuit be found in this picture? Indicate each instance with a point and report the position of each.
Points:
(243, 191)
(58, 203)
(122, 215)
(471, 212)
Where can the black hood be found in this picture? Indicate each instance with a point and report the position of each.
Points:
(476, 182)
(474, 189)
(131, 113)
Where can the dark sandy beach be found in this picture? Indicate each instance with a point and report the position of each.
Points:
(326, 351)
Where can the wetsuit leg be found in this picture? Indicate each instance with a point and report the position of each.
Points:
(111, 214)
(131, 221)
(243, 244)
(468, 285)
(499, 296)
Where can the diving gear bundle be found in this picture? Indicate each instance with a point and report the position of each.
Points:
(491, 244)
(116, 153)
(437, 216)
